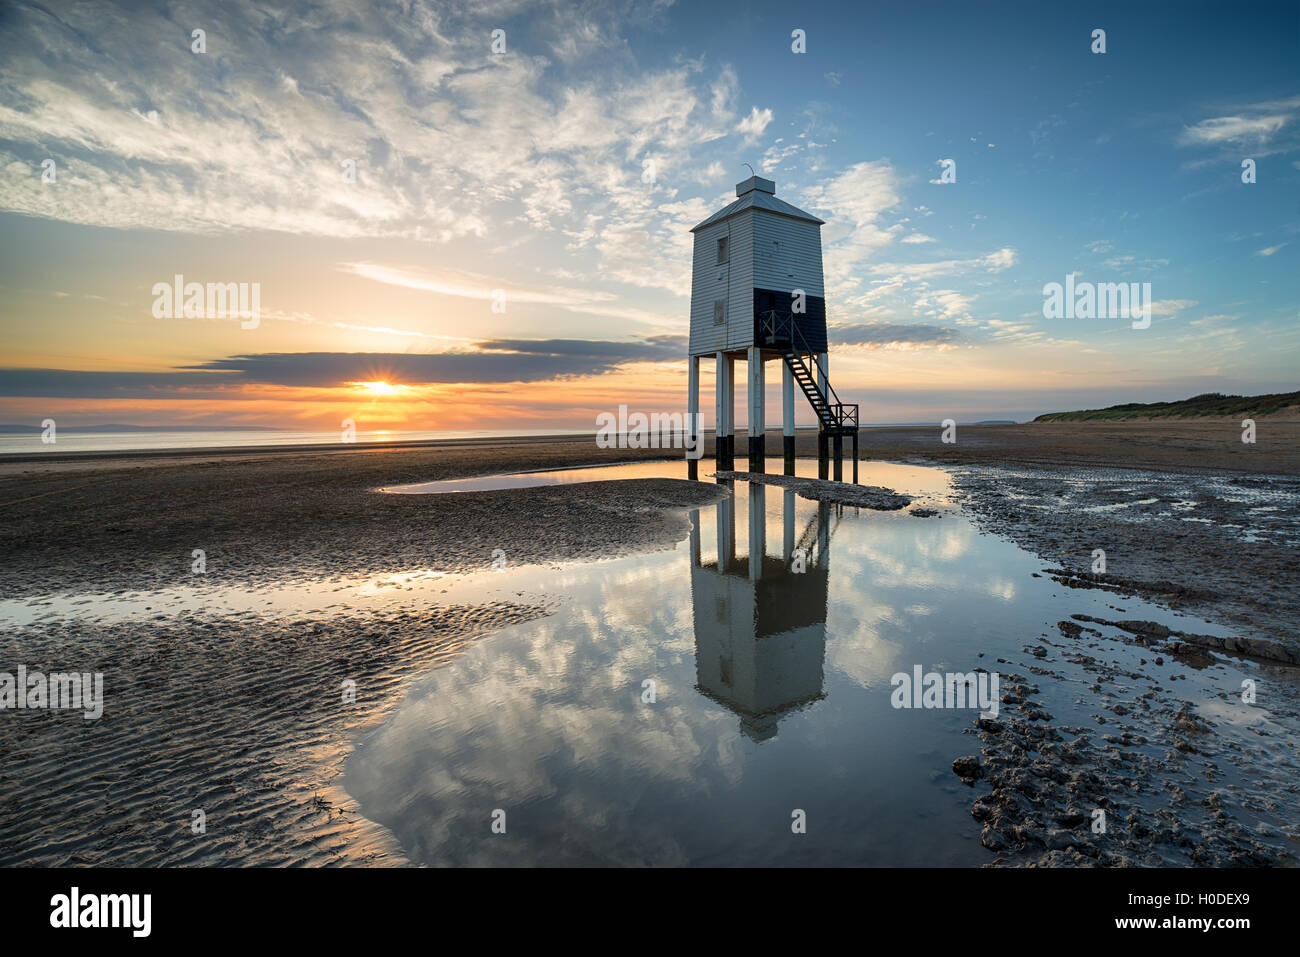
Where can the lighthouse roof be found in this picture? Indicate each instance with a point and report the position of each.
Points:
(758, 193)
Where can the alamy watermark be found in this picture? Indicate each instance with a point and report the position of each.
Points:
(658, 430)
(215, 300)
(58, 690)
(76, 909)
(978, 689)
(1106, 300)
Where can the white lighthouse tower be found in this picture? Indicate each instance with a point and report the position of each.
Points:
(757, 294)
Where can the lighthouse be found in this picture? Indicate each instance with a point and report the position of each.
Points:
(757, 295)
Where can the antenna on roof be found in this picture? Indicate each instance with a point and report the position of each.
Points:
(751, 169)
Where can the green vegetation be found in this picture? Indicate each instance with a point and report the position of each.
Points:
(1209, 405)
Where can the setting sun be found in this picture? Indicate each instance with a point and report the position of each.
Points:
(378, 388)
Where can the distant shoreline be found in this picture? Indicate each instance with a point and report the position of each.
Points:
(1191, 445)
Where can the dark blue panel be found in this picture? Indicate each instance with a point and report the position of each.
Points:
(811, 323)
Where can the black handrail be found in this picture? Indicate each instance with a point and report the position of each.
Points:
(773, 324)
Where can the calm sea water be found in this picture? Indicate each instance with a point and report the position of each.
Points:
(68, 441)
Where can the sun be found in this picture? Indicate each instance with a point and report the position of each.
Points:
(378, 387)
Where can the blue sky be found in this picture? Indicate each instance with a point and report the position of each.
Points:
(523, 171)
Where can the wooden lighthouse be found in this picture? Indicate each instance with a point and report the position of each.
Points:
(757, 294)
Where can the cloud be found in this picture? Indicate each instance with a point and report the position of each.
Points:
(753, 125)
(1132, 262)
(447, 282)
(487, 361)
(263, 131)
(778, 153)
(854, 203)
(993, 262)
(650, 348)
(881, 335)
(913, 239)
(1171, 307)
(1241, 130)
(467, 285)
(946, 304)
(1215, 320)
(1251, 126)
(1270, 250)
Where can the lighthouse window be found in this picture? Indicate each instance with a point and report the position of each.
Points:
(719, 311)
(722, 250)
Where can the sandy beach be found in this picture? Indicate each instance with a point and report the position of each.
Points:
(240, 715)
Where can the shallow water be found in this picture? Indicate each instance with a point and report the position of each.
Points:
(771, 688)
(674, 468)
(771, 695)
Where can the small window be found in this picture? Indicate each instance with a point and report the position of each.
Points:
(722, 250)
(719, 311)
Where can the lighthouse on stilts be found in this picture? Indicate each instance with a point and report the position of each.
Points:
(757, 295)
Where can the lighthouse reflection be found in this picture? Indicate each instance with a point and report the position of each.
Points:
(760, 618)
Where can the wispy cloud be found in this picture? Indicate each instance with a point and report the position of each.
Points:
(856, 201)
(1171, 307)
(753, 125)
(993, 262)
(448, 282)
(892, 335)
(410, 100)
(1253, 126)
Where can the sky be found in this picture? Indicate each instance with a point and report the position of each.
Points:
(452, 227)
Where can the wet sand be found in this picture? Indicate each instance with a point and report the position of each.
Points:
(240, 715)
(1152, 767)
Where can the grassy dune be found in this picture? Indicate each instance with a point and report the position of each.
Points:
(1209, 405)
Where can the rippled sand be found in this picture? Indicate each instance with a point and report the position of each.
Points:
(220, 696)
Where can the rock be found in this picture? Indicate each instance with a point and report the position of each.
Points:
(820, 490)
(985, 808)
(968, 768)
(1060, 840)
(1150, 629)
(992, 838)
(1071, 818)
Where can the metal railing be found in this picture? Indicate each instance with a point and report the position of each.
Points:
(780, 327)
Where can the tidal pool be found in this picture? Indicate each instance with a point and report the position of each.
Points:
(691, 706)
(672, 468)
